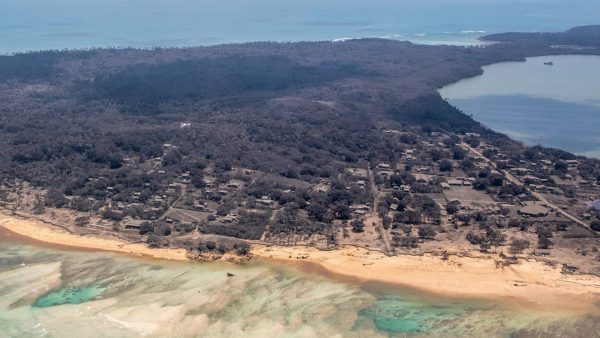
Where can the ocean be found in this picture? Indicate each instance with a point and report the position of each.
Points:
(58, 24)
(53, 293)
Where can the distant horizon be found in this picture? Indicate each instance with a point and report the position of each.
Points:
(31, 25)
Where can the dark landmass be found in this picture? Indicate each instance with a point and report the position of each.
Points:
(317, 143)
(587, 37)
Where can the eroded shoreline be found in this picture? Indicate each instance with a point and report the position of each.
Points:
(40, 232)
(529, 283)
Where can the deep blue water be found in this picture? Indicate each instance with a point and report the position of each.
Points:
(556, 106)
(535, 120)
(58, 24)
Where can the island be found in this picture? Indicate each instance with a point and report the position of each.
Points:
(340, 154)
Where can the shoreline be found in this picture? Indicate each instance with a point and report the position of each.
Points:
(38, 231)
(528, 283)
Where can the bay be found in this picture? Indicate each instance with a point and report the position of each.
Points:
(553, 105)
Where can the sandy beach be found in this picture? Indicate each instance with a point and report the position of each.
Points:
(39, 231)
(530, 283)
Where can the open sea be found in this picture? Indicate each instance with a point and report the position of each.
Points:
(57, 24)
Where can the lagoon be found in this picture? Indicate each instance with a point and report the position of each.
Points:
(554, 105)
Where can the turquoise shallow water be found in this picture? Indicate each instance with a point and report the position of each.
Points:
(395, 314)
(69, 295)
(46, 292)
(39, 24)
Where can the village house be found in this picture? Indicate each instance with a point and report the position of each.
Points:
(185, 178)
(455, 182)
(360, 209)
(133, 224)
(533, 210)
(265, 200)
(520, 171)
(541, 252)
(386, 173)
(572, 163)
(231, 218)
(233, 185)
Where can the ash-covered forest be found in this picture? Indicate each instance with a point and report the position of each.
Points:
(125, 136)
